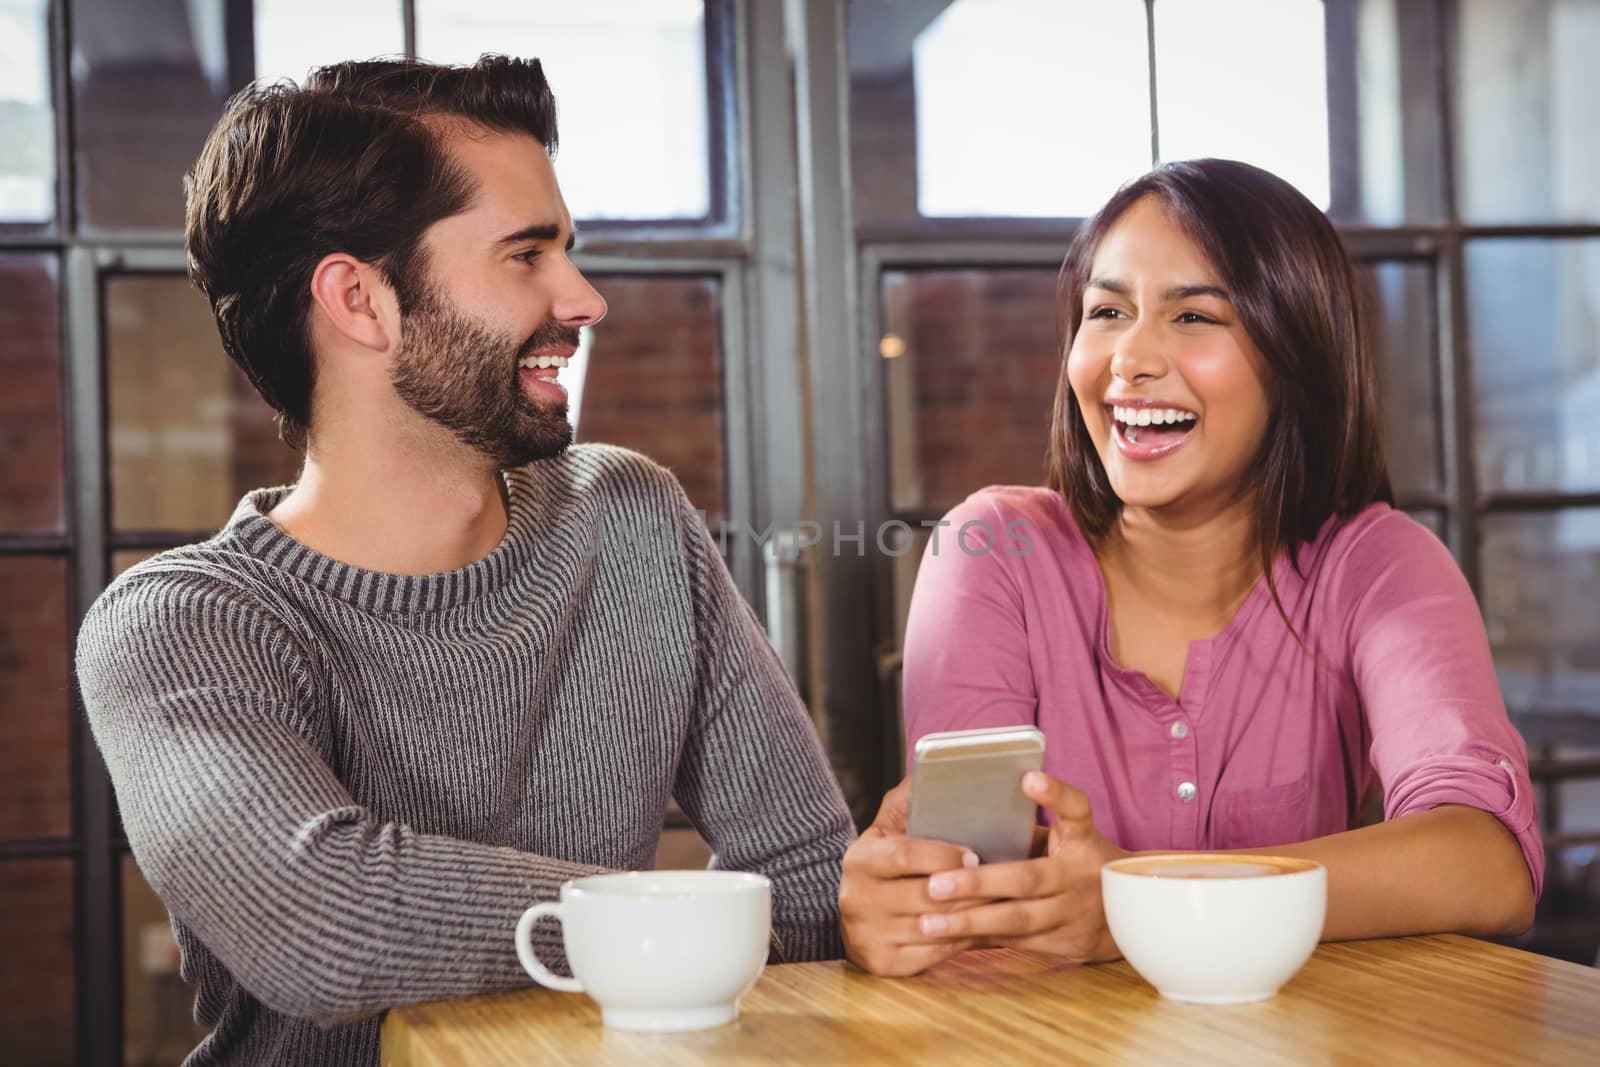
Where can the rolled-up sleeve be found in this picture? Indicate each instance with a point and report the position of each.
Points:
(1439, 729)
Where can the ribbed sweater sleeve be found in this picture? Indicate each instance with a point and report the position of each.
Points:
(320, 909)
(753, 778)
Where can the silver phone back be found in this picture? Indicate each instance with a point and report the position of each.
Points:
(966, 788)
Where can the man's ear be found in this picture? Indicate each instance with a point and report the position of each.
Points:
(356, 302)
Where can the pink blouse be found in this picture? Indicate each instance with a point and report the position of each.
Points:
(1268, 745)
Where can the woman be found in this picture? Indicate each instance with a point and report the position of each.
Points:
(1226, 633)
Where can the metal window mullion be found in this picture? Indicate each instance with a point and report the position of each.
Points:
(861, 741)
(645, 260)
(39, 848)
(239, 37)
(1150, 53)
(992, 255)
(738, 434)
(97, 897)
(1455, 361)
(408, 27)
(722, 117)
(34, 544)
(1340, 86)
(772, 327)
(65, 114)
(1500, 502)
(872, 262)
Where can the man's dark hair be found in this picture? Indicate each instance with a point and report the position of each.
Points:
(347, 163)
(1294, 289)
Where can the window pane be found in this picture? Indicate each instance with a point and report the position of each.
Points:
(1404, 329)
(982, 145)
(35, 712)
(123, 558)
(158, 1008)
(1533, 312)
(27, 118)
(970, 370)
(188, 435)
(1541, 582)
(30, 404)
(292, 36)
(630, 78)
(37, 978)
(149, 81)
(1386, 132)
(1214, 68)
(1525, 89)
(649, 378)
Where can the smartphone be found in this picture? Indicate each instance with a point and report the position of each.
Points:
(966, 788)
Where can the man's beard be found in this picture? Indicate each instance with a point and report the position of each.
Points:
(463, 374)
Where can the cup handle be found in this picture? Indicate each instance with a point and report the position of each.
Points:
(530, 960)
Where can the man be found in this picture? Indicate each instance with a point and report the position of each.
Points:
(381, 712)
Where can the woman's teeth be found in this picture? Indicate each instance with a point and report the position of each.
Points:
(1150, 416)
(1131, 419)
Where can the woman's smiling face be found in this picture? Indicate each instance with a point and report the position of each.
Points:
(1172, 390)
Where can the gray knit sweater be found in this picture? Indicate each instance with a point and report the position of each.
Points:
(346, 786)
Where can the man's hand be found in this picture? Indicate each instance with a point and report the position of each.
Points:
(884, 894)
(1051, 903)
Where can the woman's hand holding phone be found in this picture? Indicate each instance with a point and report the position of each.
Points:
(883, 894)
(1051, 903)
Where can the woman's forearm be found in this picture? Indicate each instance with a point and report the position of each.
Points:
(1450, 869)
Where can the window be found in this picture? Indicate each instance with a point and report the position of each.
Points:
(27, 119)
(35, 712)
(37, 974)
(1051, 130)
(1214, 62)
(970, 366)
(31, 497)
(1533, 318)
(650, 379)
(1526, 84)
(188, 434)
(1067, 117)
(629, 77)
(293, 36)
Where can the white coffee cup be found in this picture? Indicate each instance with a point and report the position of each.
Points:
(658, 950)
(1215, 928)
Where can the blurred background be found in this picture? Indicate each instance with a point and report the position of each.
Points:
(828, 233)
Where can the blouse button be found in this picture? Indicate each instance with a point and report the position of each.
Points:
(1186, 791)
(1180, 729)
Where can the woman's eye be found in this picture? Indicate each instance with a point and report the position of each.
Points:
(1190, 318)
(1104, 313)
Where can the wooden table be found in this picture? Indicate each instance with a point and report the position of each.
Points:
(1411, 1000)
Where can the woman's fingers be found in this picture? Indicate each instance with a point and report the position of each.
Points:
(1046, 876)
(879, 855)
(1001, 919)
(1067, 803)
(893, 812)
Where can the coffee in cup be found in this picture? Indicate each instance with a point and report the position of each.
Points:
(1213, 928)
(658, 950)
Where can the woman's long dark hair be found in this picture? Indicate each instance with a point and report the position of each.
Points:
(1294, 290)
